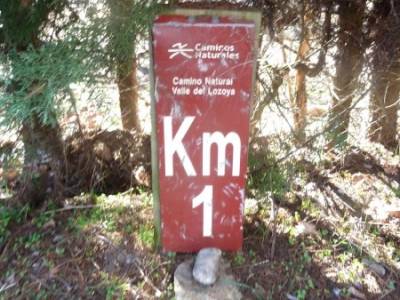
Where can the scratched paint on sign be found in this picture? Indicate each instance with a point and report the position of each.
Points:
(203, 71)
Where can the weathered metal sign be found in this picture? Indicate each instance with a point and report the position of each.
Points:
(202, 76)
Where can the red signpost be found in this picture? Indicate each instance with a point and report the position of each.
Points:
(203, 72)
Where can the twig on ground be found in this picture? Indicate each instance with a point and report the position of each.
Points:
(7, 286)
(252, 265)
(272, 219)
(5, 248)
(80, 275)
(160, 265)
(147, 279)
(386, 294)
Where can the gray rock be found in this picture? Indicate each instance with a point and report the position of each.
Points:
(58, 238)
(356, 293)
(124, 258)
(130, 259)
(337, 292)
(121, 257)
(291, 297)
(375, 267)
(206, 266)
(186, 288)
(37, 266)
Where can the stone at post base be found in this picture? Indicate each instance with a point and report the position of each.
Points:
(186, 288)
(206, 266)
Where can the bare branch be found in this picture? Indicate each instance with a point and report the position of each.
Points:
(314, 70)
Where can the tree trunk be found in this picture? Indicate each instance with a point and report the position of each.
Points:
(349, 61)
(376, 109)
(122, 46)
(128, 95)
(43, 161)
(386, 74)
(391, 104)
(384, 107)
(300, 109)
(43, 144)
(301, 106)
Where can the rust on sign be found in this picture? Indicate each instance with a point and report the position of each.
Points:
(202, 80)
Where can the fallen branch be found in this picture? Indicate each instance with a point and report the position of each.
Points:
(71, 208)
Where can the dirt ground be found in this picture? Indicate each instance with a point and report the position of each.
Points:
(314, 229)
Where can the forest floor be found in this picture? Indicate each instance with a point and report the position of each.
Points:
(315, 228)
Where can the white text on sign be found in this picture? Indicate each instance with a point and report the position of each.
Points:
(173, 144)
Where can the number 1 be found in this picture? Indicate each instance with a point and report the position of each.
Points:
(205, 197)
